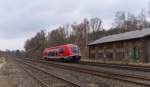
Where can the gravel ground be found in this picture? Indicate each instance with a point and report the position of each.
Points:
(51, 81)
(115, 70)
(13, 76)
(85, 79)
(116, 62)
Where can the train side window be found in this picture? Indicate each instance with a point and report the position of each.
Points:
(51, 54)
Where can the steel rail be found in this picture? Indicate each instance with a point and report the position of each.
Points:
(33, 76)
(117, 76)
(120, 66)
(44, 71)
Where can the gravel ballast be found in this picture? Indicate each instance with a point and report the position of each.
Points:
(11, 75)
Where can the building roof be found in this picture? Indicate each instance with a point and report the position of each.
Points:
(122, 36)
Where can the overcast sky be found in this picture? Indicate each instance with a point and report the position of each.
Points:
(21, 19)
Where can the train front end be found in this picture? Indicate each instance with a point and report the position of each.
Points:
(74, 53)
(68, 53)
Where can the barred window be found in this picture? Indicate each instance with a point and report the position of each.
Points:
(100, 55)
(92, 55)
(110, 46)
(100, 47)
(109, 55)
(119, 45)
(120, 55)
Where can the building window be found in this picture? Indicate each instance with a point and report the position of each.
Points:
(100, 47)
(100, 55)
(109, 46)
(119, 45)
(92, 56)
(109, 56)
(92, 48)
(133, 54)
(119, 55)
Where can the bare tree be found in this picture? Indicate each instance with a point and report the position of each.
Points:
(95, 29)
(130, 22)
(35, 45)
(57, 37)
(96, 24)
(81, 32)
(120, 19)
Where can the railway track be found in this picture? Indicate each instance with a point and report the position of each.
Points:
(34, 77)
(113, 65)
(52, 80)
(119, 66)
(135, 79)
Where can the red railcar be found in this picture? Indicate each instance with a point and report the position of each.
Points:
(68, 52)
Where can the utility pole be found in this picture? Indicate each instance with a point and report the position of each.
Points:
(86, 37)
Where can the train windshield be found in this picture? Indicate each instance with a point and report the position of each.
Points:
(75, 49)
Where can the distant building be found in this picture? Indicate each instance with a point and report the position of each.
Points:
(133, 46)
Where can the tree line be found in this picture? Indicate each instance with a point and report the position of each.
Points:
(85, 32)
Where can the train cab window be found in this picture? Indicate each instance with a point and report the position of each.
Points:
(75, 49)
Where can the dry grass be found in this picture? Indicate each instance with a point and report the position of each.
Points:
(12, 76)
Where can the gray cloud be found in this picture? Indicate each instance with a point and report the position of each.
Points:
(18, 18)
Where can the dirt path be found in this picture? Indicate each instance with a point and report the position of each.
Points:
(2, 62)
(11, 75)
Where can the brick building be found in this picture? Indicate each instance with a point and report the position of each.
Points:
(133, 46)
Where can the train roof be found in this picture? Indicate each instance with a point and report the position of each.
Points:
(61, 46)
(122, 36)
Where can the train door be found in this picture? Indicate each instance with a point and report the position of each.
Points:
(61, 51)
